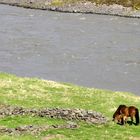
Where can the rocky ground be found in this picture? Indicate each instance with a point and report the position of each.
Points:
(80, 7)
(32, 129)
(70, 115)
(67, 114)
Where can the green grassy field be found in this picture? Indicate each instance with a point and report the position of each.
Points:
(37, 93)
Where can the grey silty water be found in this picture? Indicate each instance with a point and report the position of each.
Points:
(89, 50)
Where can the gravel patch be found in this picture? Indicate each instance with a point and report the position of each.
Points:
(80, 7)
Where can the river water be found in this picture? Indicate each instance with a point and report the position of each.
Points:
(90, 50)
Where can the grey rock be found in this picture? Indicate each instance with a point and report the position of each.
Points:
(67, 114)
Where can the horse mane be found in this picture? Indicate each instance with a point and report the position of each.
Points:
(117, 112)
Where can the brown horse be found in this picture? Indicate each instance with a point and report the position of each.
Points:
(117, 116)
(123, 112)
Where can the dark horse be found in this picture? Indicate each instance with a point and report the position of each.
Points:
(123, 112)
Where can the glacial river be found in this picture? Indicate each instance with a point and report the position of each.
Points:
(89, 50)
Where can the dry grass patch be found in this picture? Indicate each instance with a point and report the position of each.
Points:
(51, 137)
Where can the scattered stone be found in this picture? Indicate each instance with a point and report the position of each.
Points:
(35, 129)
(88, 116)
(72, 124)
(67, 114)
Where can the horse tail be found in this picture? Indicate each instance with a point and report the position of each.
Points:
(137, 116)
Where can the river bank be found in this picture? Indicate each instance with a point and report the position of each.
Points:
(76, 7)
(84, 49)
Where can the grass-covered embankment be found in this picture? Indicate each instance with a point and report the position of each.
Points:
(35, 93)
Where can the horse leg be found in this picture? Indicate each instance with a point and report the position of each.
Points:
(122, 121)
(125, 119)
(132, 120)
